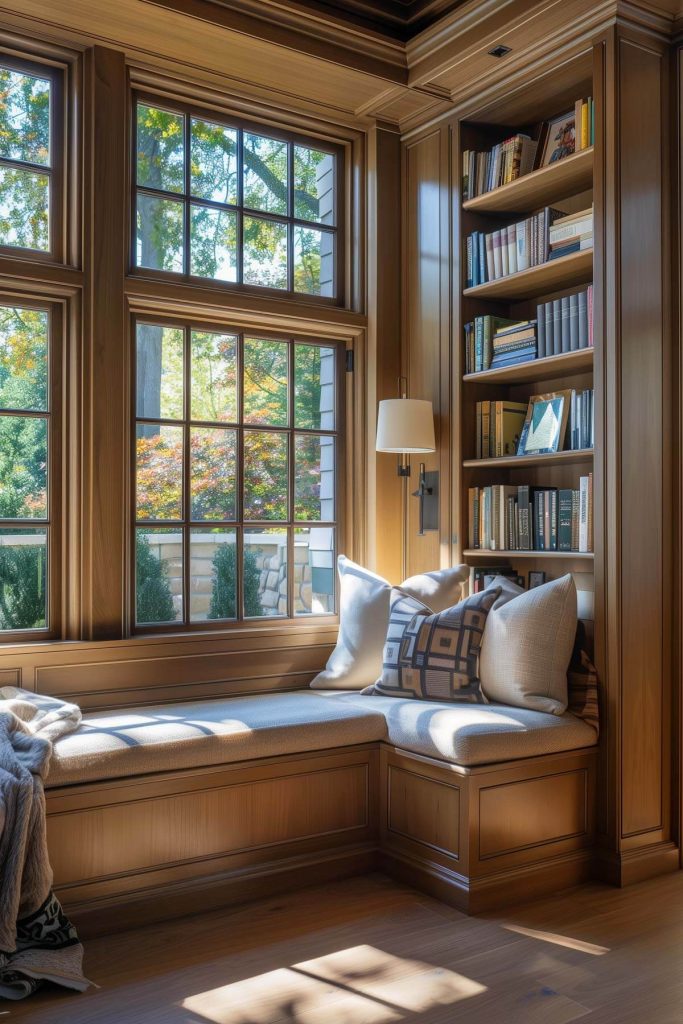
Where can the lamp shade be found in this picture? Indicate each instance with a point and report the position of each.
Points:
(405, 426)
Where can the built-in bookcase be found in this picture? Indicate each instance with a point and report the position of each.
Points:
(569, 186)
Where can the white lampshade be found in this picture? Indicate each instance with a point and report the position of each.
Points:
(405, 426)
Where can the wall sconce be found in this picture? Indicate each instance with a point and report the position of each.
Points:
(405, 426)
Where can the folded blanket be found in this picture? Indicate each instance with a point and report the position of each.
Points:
(37, 942)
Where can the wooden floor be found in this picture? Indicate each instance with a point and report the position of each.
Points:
(368, 950)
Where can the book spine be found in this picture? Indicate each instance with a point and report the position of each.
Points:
(485, 428)
(552, 533)
(497, 256)
(557, 327)
(512, 249)
(564, 528)
(583, 319)
(470, 278)
(504, 252)
(573, 322)
(576, 508)
(549, 330)
(478, 430)
(539, 521)
(564, 321)
(583, 514)
(522, 246)
(540, 330)
(498, 432)
(489, 257)
(523, 517)
(487, 351)
(482, 258)
(590, 315)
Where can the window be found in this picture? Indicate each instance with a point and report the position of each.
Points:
(236, 455)
(28, 204)
(27, 454)
(232, 204)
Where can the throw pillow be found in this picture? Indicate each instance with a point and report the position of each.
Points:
(527, 647)
(434, 655)
(364, 616)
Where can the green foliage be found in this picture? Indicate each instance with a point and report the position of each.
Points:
(24, 135)
(224, 582)
(154, 602)
(22, 586)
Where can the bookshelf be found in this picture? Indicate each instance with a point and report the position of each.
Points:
(566, 185)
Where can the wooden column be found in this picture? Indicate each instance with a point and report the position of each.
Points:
(105, 419)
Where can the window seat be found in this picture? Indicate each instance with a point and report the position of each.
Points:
(120, 744)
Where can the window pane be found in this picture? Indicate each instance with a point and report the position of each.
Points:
(213, 243)
(23, 579)
(213, 574)
(314, 478)
(159, 476)
(158, 575)
(213, 163)
(313, 185)
(265, 173)
(265, 572)
(264, 258)
(265, 382)
(23, 358)
(159, 372)
(314, 575)
(213, 473)
(160, 244)
(265, 475)
(23, 467)
(24, 206)
(314, 372)
(214, 376)
(160, 160)
(24, 117)
(313, 262)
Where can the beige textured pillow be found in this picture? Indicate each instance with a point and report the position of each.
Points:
(364, 596)
(527, 646)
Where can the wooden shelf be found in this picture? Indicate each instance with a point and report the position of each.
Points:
(487, 553)
(543, 187)
(582, 455)
(548, 277)
(535, 369)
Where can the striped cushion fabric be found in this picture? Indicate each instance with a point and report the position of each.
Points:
(434, 656)
(582, 683)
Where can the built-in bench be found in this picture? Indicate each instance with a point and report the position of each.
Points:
(157, 811)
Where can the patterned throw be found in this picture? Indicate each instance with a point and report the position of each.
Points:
(582, 683)
(37, 942)
(434, 656)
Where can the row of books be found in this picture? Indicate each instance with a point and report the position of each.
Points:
(495, 254)
(565, 324)
(508, 160)
(582, 420)
(499, 425)
(506, 517)
(584, 123)
(572, 233)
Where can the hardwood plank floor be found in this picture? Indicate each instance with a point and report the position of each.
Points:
(369, 950)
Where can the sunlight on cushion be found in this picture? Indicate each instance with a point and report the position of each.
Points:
(559, 940)
(358, 984)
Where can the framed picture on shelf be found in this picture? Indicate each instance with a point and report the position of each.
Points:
(536, 578)
(545, 424)
(558, 139)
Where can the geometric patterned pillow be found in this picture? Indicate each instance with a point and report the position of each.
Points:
(434, 656)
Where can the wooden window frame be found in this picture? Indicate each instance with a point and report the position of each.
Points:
(53, 523)
(228, 120)
(56, 74)
(239, 524)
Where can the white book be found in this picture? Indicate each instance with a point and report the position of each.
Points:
(522, 251)
(512, 249)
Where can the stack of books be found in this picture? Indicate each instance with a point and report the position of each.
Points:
(506, 517)
(479, 340)
(482, 172)
(517, 247)
(582, 420)
(481, 576)
(584, 123)
(499, 425)
(515, 344)
(565, 324)
(572, 233)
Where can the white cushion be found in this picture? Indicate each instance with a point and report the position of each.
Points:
(116, 744)
(364, 619)
(472, 734)
(527, 647)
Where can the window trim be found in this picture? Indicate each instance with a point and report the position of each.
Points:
(239, 625)
(53, 524)
(56, 171)
(265, 128)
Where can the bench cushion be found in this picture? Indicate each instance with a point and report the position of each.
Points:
(115, 744)
(473, 734)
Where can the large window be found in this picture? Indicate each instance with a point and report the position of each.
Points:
(227, 203)
(27, 455)
(29, 206)
(236, 456)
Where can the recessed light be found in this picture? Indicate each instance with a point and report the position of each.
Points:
(500, 51)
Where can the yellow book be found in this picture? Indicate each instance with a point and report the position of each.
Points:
(577, 126)
(584, 126)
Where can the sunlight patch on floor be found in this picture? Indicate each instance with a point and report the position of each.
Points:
(372, 986)
(558, 940)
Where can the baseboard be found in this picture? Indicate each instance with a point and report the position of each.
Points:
(202, 895)
(474, 896)
(632, 866)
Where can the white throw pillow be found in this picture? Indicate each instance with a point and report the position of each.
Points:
(527, 647)
(364, 596)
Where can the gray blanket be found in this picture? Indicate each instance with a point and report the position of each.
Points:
(37, 942)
